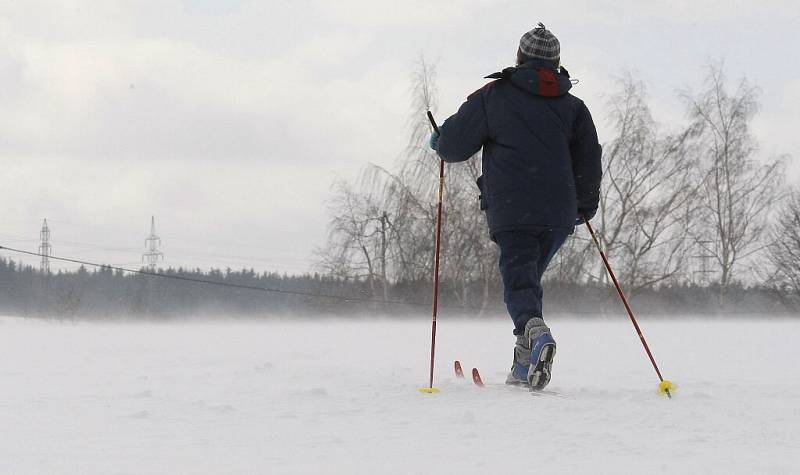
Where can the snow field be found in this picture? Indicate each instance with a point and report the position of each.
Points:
(331, 396)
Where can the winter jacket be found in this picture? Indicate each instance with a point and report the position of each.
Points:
(541, 158)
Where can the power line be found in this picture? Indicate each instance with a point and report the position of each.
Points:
(238, 286)
(184, 254)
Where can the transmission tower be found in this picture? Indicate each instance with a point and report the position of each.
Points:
(152, 254)
(704, 275)
(45, 249)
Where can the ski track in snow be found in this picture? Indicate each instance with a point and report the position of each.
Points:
(331, 396)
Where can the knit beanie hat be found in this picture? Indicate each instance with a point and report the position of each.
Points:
(539, 43)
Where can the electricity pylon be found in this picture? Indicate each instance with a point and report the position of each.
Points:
(152, 254)
(45, 249)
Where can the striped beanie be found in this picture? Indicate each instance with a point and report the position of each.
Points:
(539, 43)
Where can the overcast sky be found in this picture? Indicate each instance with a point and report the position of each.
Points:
(229, 120)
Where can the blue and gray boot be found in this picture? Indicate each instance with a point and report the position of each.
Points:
(533, 356)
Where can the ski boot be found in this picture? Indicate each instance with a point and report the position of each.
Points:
(533, 356)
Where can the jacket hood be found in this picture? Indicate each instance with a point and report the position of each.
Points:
(538, 78)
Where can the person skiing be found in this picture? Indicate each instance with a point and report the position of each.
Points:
(541, 177)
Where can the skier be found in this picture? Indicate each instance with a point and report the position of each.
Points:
(541, 176)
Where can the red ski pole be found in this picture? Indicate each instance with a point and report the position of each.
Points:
(665, 386)
(430, 389)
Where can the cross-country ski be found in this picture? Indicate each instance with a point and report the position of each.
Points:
(476, 378)
(458, 369)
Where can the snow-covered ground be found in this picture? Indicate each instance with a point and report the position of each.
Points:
(341, 397)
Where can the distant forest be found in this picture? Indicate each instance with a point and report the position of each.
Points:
(114, 295)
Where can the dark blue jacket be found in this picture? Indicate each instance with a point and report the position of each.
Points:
(541, 158)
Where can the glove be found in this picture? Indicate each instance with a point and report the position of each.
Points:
(434, 141)
(581, 213)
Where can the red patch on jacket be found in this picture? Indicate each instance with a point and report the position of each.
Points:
(548, 84)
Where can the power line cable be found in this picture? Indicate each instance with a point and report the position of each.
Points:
(228, 284)
(168, 236)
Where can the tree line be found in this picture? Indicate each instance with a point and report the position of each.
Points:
(111, 295)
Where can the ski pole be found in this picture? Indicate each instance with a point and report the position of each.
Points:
(665, 385)
(430, 389)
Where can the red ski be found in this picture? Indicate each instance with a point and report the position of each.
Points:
(476, 378)
(459, 371)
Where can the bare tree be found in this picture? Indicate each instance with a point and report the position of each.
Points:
(357, 241)
(466, 251)
(784, 250)
(646, 199)
(471, 256)
(737, 193)
(383, 226)
(573, 264)
(380, 223)
(406, 195)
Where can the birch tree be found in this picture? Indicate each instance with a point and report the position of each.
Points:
(737, 192)
(784, 249)
(646, 200)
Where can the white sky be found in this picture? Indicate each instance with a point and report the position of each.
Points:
(229, 120)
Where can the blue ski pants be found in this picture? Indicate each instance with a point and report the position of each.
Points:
(524, 256)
